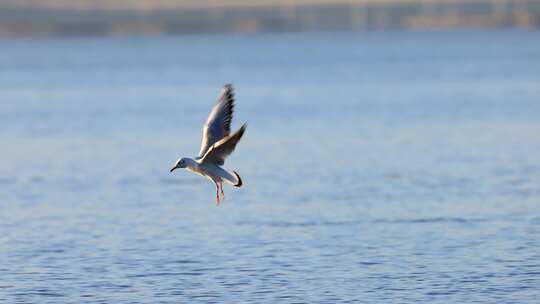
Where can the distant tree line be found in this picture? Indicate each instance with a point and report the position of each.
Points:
(353, 16)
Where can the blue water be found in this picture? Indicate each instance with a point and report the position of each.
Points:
(378, 168)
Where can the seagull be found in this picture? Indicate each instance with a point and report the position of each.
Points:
(216, 145)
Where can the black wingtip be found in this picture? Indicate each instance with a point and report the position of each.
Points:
(227, 96)
(239, 184)
(229, 90)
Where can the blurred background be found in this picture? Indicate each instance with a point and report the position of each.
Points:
(121, 17)
(392, 151)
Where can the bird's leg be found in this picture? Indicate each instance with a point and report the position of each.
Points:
(217, 194)
(221, 188)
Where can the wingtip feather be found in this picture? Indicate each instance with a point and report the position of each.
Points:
(240, 183)
(242, 130)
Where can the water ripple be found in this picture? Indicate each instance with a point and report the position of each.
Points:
(457, 220)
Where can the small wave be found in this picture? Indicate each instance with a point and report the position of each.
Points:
(36, 180)
(429, 220)
(299, 224)
(369, 263)
(535, 221)
(41, 292)
(7, 180)
(163, 274)
(358, 222)
(186, 262)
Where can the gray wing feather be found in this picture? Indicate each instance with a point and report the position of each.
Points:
(223, 148)
(218, 123)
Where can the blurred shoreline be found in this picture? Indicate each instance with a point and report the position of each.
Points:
(20, 18)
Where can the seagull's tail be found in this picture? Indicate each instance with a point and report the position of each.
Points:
(234, 179)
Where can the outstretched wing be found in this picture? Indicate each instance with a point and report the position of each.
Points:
(218, 123)
(223, 148)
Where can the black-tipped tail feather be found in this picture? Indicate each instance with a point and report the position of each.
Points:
(239, 184)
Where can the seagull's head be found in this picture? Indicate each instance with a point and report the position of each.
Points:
(180, 163)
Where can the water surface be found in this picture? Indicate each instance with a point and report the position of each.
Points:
(380, 167)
